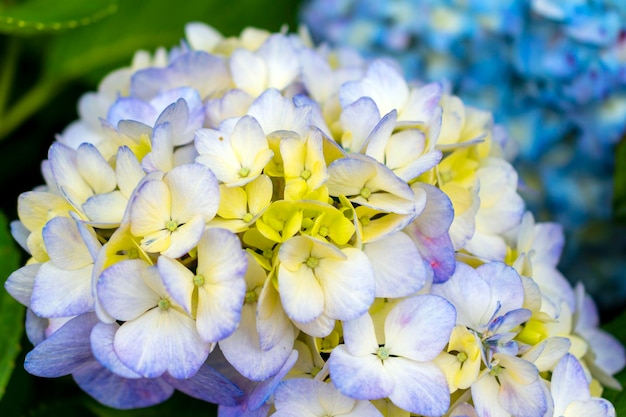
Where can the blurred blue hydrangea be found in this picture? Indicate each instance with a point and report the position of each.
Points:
(552, 71)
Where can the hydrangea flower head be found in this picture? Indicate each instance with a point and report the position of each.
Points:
(284, 241)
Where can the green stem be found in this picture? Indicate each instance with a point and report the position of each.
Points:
(8, 71)
(29, 104)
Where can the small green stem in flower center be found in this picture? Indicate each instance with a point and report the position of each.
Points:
(163, 304)
(496, 370)
(306, 174)
(243, 172)
(323, 231)
(366, 193)
(461, 356)
(198, 280)
(171, 225)
(268, 253)
(382, 353)
(312, 262)
(247, 217)
(251, 297)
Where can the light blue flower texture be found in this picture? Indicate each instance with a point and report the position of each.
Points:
(552, 71)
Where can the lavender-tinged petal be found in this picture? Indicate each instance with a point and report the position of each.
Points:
(419, 327)
(596, 407)
(161, 341)
(361, 377)
(20, 283)
(399, 270)
(65, 351)
(35, 327)
(64, 244)
(262, 391)
(123, 292)
(418, 387)
(102, 337)
(243, 351)
(569, 384)
(127, 108)
(208, 385)
(119, 392)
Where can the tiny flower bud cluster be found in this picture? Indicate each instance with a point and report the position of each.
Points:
(280, 229)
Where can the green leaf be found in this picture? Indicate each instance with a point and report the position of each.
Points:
(41, 16)
(11, 312)
(619, 183)
(147, 25)
(617, 328)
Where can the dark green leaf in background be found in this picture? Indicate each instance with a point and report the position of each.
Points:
(619, 191)
(11, 312)
(37, 17)
(147, 25)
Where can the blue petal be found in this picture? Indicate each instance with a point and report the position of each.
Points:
(65, 351)
(118, 392)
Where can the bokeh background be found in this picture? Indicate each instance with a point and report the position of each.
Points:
(63, 49)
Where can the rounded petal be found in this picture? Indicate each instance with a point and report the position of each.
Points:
(161, 341)
(118, 392)
(419, 327)
(360, 377)
(300, 293)
(61, 293)
(399, 270)
(348, 285)
(123, 292)
(419, 387)
(194, 191)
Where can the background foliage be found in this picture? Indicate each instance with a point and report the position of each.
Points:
(49, 56)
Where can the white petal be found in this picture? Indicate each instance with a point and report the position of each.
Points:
(595, 407)
(419, 327)
(123, 291)
(300, 293)
(178, 281)
(419, 388)
(20, 283)
(219, 308)
(65, 245)
(465, 284)
(62, 293)
(249, 71)
(185, 238)
(127, 171)
(94, 169)
(272, 322)
(359, 336)
(348, 285)
(569, 384)
(485, 394)
(242, 349)
(360, 377)
(194, 191)
(281, 59)
(150, 209)
(106, 208)
(399, 269)
(161, 341)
